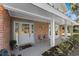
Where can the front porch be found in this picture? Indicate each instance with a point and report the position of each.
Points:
(38, 48)
(35, 50)
(31, 26)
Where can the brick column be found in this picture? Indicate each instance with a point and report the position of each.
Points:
(4, 28)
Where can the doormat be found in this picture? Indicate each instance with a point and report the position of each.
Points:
(25, 46)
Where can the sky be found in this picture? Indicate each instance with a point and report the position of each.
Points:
(69, 12)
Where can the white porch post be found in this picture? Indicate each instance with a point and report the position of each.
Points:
(52, 28)
(65, 29)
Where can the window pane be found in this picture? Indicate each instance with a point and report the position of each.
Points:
(25, 28)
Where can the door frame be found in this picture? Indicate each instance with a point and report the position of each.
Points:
(21, 22)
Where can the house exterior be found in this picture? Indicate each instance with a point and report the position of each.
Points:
(31, 23)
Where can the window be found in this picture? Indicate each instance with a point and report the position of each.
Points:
(32, 28)
(25, 28)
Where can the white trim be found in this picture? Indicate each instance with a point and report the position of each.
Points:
(65, 29)
(43, 6)
(54, 11)
(14, 32)
(24, 12)
(21, 22)
(52, 36)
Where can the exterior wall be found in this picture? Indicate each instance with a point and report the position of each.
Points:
(4, 28)
(41, 29)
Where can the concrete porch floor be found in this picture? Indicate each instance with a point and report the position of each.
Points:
(37, 49)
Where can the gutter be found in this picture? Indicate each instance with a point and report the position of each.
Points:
(54, 11)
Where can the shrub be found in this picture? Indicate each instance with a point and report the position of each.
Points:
(74, 39)
(12, 44)
(64, 48)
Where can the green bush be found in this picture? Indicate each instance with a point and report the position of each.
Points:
(64, 48)
(12, 44)
(74, 39)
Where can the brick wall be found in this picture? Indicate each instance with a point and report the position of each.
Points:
(4, 28)
(41, 29)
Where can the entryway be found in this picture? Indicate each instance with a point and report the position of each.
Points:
(24, 33)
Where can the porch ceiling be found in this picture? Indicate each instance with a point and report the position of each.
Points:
(32, 12)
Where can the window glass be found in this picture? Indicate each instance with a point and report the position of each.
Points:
(25, 28)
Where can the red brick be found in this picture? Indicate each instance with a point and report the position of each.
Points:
(4, 28)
